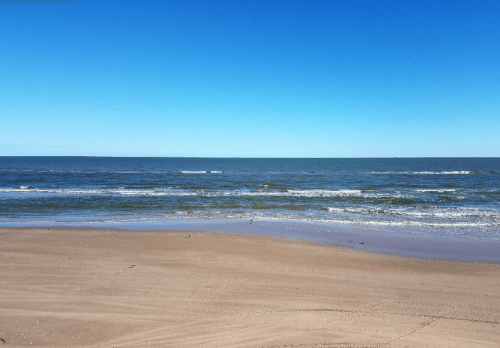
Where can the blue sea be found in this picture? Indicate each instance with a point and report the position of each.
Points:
(451, 195)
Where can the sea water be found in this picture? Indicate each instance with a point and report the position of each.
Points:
(437, 196)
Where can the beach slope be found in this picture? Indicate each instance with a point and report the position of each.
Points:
(110, 288)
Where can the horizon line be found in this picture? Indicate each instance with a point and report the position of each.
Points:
(235, 157)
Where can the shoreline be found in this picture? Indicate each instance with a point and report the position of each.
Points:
(119, 288)
(411, 241)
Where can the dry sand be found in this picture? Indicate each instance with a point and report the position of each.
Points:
(105, 288)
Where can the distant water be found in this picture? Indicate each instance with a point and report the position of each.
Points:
(452, 195)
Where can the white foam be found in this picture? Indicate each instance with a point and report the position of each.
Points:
(419, 213)
(181, 192)
(120, 191)
(348, 210)
(325, 193)
(299, 193)
(456, 172)
(436, 190)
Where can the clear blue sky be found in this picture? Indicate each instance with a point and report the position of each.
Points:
(209, 78)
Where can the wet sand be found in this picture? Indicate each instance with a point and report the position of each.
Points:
(414, 241)
(111, 288)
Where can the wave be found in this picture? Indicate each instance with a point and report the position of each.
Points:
(200, 171)
(110, 171)
(488, 229)
(302, 193)
(454, 172)
(464, 227)
(418, 212)
(413, 196)
(436, 190)
(120, 191)
(170, 191)
(465, 224)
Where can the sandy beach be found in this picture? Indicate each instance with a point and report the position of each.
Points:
(111, 288)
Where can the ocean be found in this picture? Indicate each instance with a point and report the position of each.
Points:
(451, 195)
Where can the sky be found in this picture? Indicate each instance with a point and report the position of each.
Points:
(213, 78)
